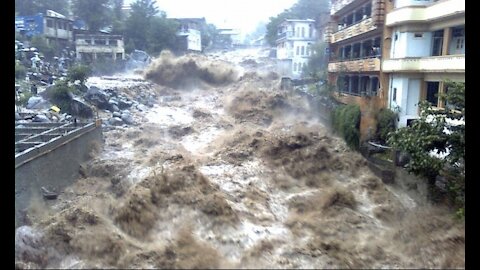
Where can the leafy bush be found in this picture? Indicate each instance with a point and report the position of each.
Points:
(41, 44)
(386, 120)
(432, 132)
(20, 71)
(346, 121)
(61, 95)
(23, 98)
(78, 72)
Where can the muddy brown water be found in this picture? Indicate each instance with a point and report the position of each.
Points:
(240, 175)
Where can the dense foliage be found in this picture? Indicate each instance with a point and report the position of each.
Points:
(32, 7)
(78, 72)
(442, 131)
(346, 121)
(95, 13)
(386, 123)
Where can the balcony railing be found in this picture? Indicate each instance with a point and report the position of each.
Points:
(447, 63)
(358, 65)
(338, 5)
(435, 11)
(291, 35)
(363, 26)
(85, 44)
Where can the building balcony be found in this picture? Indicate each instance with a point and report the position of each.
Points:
(99, 48)
(362, 27)
(339, 5)
(359, 65)
(290, 35)
(436, 11)
(447, 63)
(58, 33)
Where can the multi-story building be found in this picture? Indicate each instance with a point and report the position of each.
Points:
(355, 34)
(189, 36)
(294, 41)
(90, 47)
(427, 47)
(55, 27)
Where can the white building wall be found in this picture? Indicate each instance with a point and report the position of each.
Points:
(194, 40)
(404, 3)
(285, 52)
(419, 46)
(407, 95)
(407, 45)
(298, 36)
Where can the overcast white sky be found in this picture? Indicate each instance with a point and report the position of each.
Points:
(238, 14)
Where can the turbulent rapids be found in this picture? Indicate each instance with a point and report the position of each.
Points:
(228, 171)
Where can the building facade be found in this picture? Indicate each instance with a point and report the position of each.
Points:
(189, 35)
(427, 47)
(90, 47)
(55, 27)
(294, 41)
(355, 35)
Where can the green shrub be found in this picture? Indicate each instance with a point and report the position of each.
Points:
(60, 95)
(41, 44)
(346, 121)
(78, 72)
(386, 120)
(23, 98)
(20, 71)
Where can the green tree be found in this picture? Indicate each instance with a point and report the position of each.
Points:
(386, 122)
(95, 13)
(117, 16)
(272, 26)
(161, 35)
(209, 33)
(78, 72)
(317, 63)
(137, 25)
(346, 121)
(32, 7)
(441, 131)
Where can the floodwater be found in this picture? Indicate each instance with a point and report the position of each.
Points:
(237, 174)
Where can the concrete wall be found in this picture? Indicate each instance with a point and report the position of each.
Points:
(405, 3)
(55, 170)
(408, 89)
(194, 40)
(407, 45)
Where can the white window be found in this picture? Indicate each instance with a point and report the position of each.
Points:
(298, 50)
(303, 31)
(303, 50)
(294, 67)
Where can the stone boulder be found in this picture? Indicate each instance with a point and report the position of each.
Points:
(38, 103)
(127, 118)
(98, 97)
(41, 118)
(80, 108)
(115, 121)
